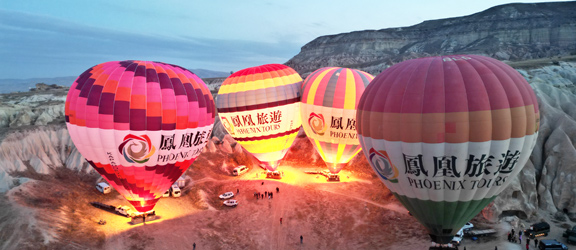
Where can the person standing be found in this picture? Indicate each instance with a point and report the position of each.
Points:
(301, 239)
(280, 220)
(536, 242)
(194, 246)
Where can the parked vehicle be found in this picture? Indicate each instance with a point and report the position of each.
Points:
(570, 235)
(167, 193)
(551, 244)
(226, 195)
(457, 239)
(538, 230)
(231, 203)
(467, 226)
(175, 191)
(459, 236)
(240, 170)
(104, 188)
(479, 232)
(125, 211)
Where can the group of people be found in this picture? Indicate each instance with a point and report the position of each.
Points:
(268, 194)
(512, 238)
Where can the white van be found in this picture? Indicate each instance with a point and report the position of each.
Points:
(167, 193)
(175, 190)
(240, 170)
(103, 187)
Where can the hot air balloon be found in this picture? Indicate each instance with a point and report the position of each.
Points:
(447, 134)
(328, 111)
(260, 109)
(140, 124)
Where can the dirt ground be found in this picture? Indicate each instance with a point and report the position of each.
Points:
(53, 212)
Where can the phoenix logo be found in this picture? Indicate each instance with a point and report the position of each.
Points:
(228, 126)
(383, 166)
(316, 122)
(136, 149)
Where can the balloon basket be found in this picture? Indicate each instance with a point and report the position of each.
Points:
(274, 175)
(140, 217)
(143, 218)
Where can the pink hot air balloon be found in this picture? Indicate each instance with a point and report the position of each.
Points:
(139, 124)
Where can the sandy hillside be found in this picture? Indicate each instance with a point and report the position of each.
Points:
(53, 211)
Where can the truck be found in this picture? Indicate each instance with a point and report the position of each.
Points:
(551, 244)
(125, 211)
(537, 230)
(479, 232)
(570, 235)
(459, 236)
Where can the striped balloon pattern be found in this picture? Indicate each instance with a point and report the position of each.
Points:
(328, 111)
(260, 109)
(447, 134)
(140, 124)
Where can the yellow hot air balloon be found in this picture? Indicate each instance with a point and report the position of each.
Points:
(260, 109)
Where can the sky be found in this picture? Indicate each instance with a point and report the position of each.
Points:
(40, 38)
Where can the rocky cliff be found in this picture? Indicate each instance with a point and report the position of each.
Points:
(35, 140)
(506, 32)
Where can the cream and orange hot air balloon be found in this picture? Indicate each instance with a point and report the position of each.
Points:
(140, 124)
(260, 109)
(328, 110)
(447, 134)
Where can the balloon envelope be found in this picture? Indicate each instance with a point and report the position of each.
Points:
(139, 124)
(447, 134)
(260, 109)
(328, 111)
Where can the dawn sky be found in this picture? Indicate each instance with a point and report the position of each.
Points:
(42, 38)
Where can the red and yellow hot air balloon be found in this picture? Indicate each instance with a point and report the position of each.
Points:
(140, 124)
(260, 109)
(328, 111)
(447, 134)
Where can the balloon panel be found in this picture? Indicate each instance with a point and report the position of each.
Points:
(328, 110)
(139, 124)
(259, 107)
(447, 130)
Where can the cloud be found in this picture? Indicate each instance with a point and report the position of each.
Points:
(41, 46)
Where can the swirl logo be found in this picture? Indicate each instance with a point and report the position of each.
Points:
(381, 163)
(316, 122)
(228, 126)
(136, 149)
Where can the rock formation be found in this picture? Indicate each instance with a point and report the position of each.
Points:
(506, 32)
